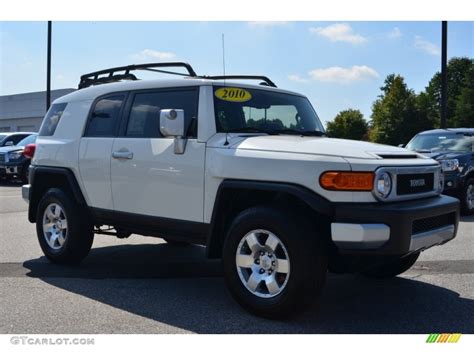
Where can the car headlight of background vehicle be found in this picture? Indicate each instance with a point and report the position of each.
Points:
(15, 155)
(383, 185)
(449, 164)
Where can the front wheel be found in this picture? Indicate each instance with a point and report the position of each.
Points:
(64, 230)
(467, 197)
(392, 269)
(273, 263)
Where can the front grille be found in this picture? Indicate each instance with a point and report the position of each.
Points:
(2, 158)
(414, 183)
(431, 223)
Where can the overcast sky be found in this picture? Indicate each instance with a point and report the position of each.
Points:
(338, 65)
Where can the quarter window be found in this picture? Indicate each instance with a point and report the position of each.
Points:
(51, 119)
(144, 120)
(105, 117)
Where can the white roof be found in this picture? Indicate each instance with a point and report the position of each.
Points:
(92, 92)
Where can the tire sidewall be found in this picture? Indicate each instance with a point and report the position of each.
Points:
(301, 253)
(79, 234)
(463, 197)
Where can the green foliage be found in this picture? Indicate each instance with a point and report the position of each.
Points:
(460, 80)
(464, 109)
(348, 124)
(398, 114)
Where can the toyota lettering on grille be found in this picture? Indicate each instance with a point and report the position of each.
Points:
(417, 183)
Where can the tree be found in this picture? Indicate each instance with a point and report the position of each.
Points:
(458, 72)
(348, 124)
(464, 111)
(398, 114)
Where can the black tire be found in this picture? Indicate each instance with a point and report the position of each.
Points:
(392, 269)
(79, 233)
(176, 243)
(24, 174)
(308, 262)
(468, 188)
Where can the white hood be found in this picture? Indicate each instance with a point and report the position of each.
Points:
(316, 145)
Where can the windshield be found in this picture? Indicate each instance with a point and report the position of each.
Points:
(427, 143)
(28, 140)
(253, 110)
(2, 137)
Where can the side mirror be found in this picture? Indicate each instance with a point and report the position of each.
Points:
(401, 145)
(9, 144)
(172, 125)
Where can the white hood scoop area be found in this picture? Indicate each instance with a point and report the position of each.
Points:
(322, 146)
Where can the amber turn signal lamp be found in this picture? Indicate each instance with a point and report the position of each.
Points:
(347, 181)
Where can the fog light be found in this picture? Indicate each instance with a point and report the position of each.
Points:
(383, 185)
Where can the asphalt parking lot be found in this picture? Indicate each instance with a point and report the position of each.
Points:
(143, 285)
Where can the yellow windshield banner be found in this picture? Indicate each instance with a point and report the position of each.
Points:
(233, 94)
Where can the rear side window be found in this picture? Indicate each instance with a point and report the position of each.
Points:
(105, 117)
(18, 137)
(51, 120)
(144, 119)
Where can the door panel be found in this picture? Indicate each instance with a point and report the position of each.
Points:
(148, 178)
(94, 167)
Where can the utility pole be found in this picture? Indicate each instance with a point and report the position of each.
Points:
(444, 73)
(48, 69)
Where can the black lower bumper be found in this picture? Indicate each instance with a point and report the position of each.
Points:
(12, 168)
(405, 219)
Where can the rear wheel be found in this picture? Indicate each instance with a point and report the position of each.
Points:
(467, 197)
(392, 269)
(273, 264)
(65, 233)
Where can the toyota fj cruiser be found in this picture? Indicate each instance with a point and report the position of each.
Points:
(244, 170)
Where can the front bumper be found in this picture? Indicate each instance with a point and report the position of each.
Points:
(11, 168)
(394, 228)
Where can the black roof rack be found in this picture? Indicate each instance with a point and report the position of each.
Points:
(123, 73)
(266, 80)
(109, 75)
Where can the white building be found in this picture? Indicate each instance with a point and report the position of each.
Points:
(25, 112)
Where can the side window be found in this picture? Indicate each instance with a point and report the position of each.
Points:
(15, 139)
(105, 117)
(144, 119)
(51, 120)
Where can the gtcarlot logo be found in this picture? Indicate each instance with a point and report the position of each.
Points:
(31, 340)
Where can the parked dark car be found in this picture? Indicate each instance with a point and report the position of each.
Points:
(454, 149)
(12, 138)
(15, 160)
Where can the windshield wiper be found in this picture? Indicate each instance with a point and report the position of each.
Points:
(301, 133)
(250, 130)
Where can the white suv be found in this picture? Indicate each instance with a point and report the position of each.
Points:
(244, 170)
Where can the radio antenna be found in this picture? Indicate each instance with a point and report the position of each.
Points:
(223, 55)
(223, 68)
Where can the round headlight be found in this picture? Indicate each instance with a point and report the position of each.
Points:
(383, 185)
